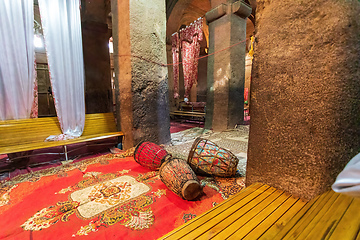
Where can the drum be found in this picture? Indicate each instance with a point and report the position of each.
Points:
(207, 158)
(150, 155)
(177, 175)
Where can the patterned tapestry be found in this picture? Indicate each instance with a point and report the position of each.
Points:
(175, 54)
(189, 41)
(190, 38)
(104, 197)
(35, 107)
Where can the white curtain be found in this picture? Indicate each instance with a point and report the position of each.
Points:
(17, 56)
(62, 32)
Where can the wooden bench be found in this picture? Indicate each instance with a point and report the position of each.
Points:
(188, 114)
(263, 212)
(25, 135)
(192, 106)
(192, 110)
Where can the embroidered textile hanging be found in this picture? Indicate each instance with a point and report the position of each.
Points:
(35, 106)
(175, 54)
(190, 38)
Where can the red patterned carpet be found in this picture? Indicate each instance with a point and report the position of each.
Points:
(105, 197)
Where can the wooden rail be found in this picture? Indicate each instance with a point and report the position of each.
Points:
(187, 113)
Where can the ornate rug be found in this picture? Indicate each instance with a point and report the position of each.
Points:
(106, 197)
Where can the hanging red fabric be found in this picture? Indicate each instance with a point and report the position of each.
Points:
(175, 54)
(35, 106)
(190, 38)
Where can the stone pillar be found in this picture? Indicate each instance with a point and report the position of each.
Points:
(139, 32)
(172, 100)
(226, 69)
(95, 36)
(305, 118)
(193, 93)
(202, 80)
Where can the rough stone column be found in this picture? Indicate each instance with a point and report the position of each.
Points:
(139, 32)
(96, 56)
(172, 101)
(305, 118)
(226, 69)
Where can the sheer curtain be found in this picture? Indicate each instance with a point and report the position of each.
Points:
(17, 56)
(62, 31)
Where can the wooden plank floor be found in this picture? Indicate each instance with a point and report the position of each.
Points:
(248, 215)
(263, 212)
(329, 216)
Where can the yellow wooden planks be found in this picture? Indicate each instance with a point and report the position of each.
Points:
(253, 225)
(306, 210)
(307, 221)
(330, 216)
(30, 134)
(39, 145)
(247, 193)
(243, 225)
(280, 223)
(291, 203)
(349, 225)
(249, 214)
(262, 212)
(226, 223)
(327, 222)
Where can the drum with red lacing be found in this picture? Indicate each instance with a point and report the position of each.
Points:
(150, 155)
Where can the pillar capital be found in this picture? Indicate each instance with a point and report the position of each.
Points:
(241, 9)
(238, 8)
(216, 13)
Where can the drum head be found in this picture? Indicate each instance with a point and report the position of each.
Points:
(191, 190)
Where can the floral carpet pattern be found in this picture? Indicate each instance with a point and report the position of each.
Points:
(105, 197)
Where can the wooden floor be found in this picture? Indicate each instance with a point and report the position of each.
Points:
(263, 212)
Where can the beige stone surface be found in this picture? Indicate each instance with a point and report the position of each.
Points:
(139, 30)
(226, 70)
(305, 89)
(122, 68)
